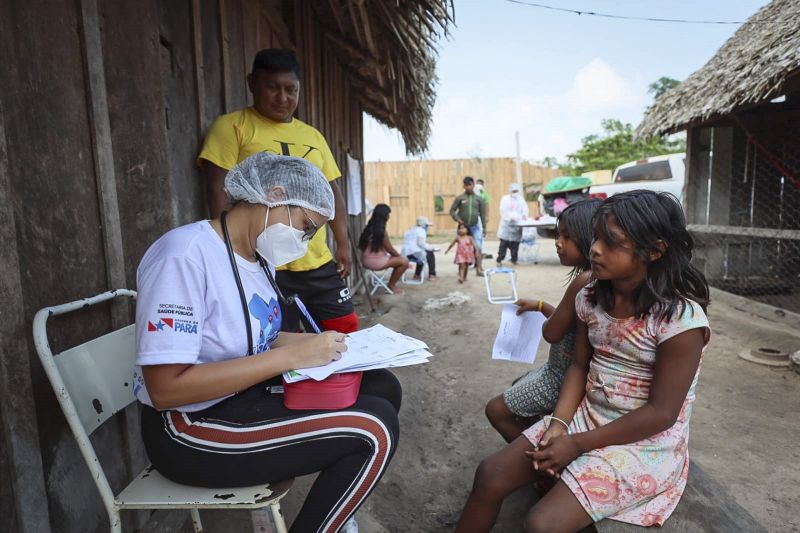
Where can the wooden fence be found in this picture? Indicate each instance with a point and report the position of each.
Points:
(427, 188)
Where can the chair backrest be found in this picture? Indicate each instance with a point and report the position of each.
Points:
(98, 376)
(92, 381)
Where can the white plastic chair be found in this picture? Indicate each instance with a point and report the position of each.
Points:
(502, 272)
(379, 279)
(408, 275)
(93, 382)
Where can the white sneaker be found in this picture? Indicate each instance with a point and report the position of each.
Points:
(351, 526)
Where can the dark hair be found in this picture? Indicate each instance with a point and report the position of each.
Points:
(653, 220)
(375, 230)
(465, 227)
(276, 60)
(577, 218)
(469, 181)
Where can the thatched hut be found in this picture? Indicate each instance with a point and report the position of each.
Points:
(741, 112)
(103, 106)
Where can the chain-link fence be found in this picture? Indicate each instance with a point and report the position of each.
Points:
(743, 205)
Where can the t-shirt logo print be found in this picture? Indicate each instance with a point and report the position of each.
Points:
(269, 318)
(159, 326)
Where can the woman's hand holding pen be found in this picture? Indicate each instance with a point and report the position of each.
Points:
(320, 349)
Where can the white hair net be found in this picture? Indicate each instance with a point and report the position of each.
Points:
(299, 183)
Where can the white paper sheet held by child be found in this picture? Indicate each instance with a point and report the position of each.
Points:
(519, 335)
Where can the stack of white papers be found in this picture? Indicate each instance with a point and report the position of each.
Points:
(375, 347)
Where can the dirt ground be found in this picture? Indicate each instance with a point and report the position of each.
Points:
(745, 428)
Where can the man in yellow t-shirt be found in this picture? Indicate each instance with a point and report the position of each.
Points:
(269, 125)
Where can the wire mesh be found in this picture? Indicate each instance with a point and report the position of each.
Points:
(743, 206)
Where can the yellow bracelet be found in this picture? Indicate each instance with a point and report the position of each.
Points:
(539, 307)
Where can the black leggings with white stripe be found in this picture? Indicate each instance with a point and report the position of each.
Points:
(252, 438)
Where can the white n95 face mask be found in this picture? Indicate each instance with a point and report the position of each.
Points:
(280, 244)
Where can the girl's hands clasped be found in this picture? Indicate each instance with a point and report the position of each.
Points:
(321, 349)
(556, 450)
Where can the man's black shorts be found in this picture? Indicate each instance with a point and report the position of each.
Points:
(322, 290)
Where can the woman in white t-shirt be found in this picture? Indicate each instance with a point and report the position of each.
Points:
(207, 376)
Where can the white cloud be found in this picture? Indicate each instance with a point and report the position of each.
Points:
(597, 86)
(551, 115)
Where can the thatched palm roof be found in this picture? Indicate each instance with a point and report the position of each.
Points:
(390, 49)
(750, 68)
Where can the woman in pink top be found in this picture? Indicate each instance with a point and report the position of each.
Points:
(377, 252)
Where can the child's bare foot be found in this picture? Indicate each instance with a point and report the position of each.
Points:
(396, 290)
(461, 280)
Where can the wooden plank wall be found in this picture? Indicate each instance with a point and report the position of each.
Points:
(328, 101)
(127, 95)
(409, 187)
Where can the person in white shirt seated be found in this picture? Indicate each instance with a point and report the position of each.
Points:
(210, 354)
(417, 249)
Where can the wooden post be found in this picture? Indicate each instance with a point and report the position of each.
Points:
(105, 175)
(199, 68)
(224, 40)
(108, 204)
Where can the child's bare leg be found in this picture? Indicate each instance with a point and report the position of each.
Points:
(559, 510)
(399, 265)
(496, 477)
(462, 271)
(503, 420)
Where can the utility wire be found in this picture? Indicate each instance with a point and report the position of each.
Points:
(625, 17)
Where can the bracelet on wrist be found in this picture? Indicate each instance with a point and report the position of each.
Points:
(548, 419)
(540, 306)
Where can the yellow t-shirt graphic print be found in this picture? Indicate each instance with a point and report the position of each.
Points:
(238, 135)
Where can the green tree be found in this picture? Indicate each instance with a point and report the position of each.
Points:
(661, 85)
(549, 161)
(615, 146)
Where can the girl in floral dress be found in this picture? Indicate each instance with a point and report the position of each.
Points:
(466, 251)
(617, 441)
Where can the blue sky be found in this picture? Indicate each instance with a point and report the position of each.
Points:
(553, 76)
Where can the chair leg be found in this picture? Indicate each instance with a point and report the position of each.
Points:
(277, 517)
(379, 282)
(196, 523)
(115, 521)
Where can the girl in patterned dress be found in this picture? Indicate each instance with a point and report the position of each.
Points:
(466, 251)
(534, 394)
(617, 441)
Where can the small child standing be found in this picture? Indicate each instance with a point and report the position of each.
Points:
(466, 251)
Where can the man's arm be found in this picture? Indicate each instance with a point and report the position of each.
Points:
(454, 211)
(422, 241)
(482, 213)
(215, 191)
(344, 261)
